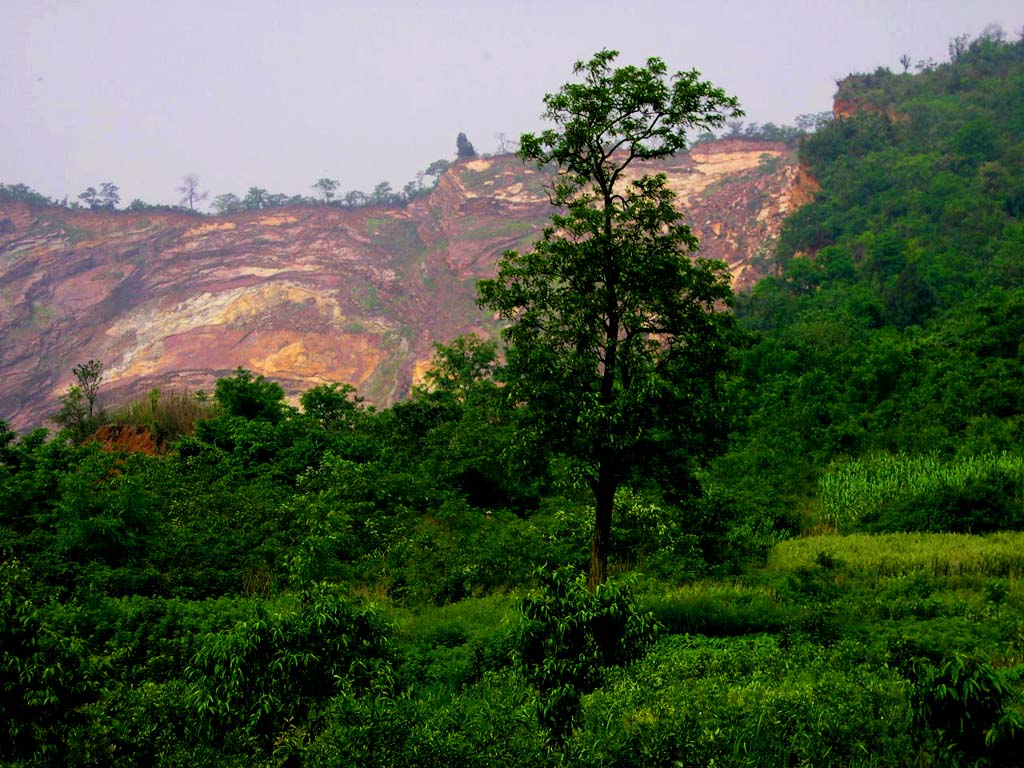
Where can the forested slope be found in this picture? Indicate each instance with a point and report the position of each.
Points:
(896, 320)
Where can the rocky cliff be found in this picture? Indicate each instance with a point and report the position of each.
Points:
(314, 294)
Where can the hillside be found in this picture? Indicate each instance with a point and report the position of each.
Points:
(312, 294)
(896, 321)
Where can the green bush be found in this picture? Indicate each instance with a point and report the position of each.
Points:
(487, 724)
(977, 505)
(46, 674)
(272, 669)
(744, 702)
(570, 635)
(967, 713)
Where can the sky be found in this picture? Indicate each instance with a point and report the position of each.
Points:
(280, 93)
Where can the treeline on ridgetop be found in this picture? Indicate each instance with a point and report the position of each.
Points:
(327, 583)
(328, 191)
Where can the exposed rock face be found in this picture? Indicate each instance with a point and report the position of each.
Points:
(849, 101)
(844, 109)
(314, 294)
(128, 438)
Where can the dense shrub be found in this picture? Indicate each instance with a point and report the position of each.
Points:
(570, 635)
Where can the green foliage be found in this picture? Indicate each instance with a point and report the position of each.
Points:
(745, 702)
(659, 538)
(106, 198)
(87, 375)
(334, 406)
(272, 668)
(968, 713)
(719, 610)
(45, 676)
(325, 188)
(198, 607)
(488, 724)
(77, 413)
(457, 368)
(255, 199)
(463, 146)
(25, 194)
(570, 635)
(250, 397)
(902, 554)
(74, 414)
(455, 646)
(907, 247)
(350, 511)
(227, 203)
(468, 440)
(104, 515)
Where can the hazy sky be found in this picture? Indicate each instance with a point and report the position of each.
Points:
(279, 93)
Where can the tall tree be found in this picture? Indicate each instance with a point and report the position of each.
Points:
(505, 144)
(90, 197)
(436, 169)
(88, 377)
(354, 198)
(77, 411)
(616, 344)
(464, 147)
(325, 189)
(255, 199)
(189, 189)
(110, 195)
(382, 194)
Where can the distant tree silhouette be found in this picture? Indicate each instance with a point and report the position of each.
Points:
(190, 194)
(354, 198)
(506, 144)
(325, 189)
(255, 199)
(464, 147)
(88, 377)
(108, 196)
(227, 203)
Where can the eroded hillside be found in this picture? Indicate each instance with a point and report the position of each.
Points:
(314, 294)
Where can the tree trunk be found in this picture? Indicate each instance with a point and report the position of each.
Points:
(604, 498)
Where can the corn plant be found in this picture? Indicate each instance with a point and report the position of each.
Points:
(851, 491)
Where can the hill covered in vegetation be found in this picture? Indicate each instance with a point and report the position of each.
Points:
(331, 583)
(896, 321)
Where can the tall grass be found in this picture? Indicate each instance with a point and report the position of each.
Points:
(898, 554)
(721, 610)
(168, 414)
(849, 492)
(474, 615)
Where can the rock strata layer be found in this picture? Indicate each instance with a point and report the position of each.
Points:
(315, 294)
